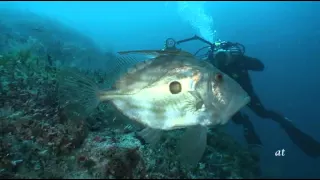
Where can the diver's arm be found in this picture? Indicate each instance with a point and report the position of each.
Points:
(253, 64)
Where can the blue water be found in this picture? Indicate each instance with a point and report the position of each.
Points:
(284, 35)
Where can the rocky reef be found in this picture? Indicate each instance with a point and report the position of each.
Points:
(39, 139)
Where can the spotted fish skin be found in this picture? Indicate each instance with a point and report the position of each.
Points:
(147, 98)
(143, 94)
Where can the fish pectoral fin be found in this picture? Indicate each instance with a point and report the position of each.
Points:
(196, 95)
(150, 136)
(199, 102)
(192, 145)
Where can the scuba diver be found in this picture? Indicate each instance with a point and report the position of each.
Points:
(230, 58)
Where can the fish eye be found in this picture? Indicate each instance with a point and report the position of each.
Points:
(175, 87)
(218, 77)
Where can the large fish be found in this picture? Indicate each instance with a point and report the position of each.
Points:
(170, 91)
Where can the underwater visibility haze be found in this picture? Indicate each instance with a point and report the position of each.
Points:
(109, 90)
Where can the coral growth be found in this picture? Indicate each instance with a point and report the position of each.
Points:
(39, 139)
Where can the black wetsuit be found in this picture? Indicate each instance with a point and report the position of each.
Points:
(238, 70)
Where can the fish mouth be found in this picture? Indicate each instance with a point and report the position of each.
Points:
(236, 103)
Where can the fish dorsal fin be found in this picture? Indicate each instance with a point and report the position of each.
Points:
(138, 77)
(117, 65)
(158, 53)
(147, 72)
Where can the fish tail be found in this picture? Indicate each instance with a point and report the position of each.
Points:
(77, 93)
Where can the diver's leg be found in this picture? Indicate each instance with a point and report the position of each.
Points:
(248, 129)
(305, 142)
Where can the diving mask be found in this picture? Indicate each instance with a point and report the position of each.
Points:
(225, 51)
